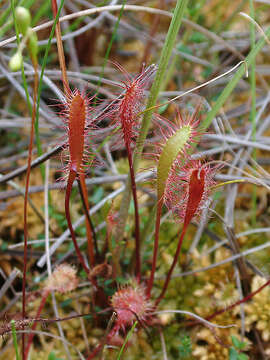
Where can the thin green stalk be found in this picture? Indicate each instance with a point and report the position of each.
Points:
(253, 103)
(32, 113)
(155, 89)
(39, 148)
(14, 336)
(7, 23)
(23, 74)
(126, 340)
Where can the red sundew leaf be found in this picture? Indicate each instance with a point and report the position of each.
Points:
(76, 126)
(124, 112)
(195, 194)
(188, 189)
(80, 128)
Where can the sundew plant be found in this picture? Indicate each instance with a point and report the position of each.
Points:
(134, 180)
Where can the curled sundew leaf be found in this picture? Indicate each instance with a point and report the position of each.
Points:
(176, 141)
(173, 147)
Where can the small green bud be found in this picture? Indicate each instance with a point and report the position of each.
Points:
(33, 43)
(15, 63)
(23, 18)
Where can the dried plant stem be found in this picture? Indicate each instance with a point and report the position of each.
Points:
(136, 209)
(60, 49)
(234, 81)
(169, 275)
(25, 205)
(197, 87)
(71, 179)
(253, 106)
(82, 185)
(154, 261)
(39, 148)
(40, 308)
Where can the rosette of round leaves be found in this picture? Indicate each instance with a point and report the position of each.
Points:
(130, 304)
(63, 279)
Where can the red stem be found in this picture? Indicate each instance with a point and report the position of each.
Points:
(137, 218)
(25, 227)
(100, 346)
(40, 308)
(154, 261)
(87, 219)
(168, 278)
(248, 297)
(71, 179)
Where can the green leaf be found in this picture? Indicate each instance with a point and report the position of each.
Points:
(66, 303)
(242, 357)
(52, 356)
(233, 354)
(197, 37)
(235, 341)
(163, 108)
(207, 72)
(98, 195)
(83, 274)
(88, 317)
(183, 48)
(185, 348)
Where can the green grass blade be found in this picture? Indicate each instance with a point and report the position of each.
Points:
(126, 340)
(38, 142)
(161, 72)
(14, 337)
(18, 43)
(155, 89)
